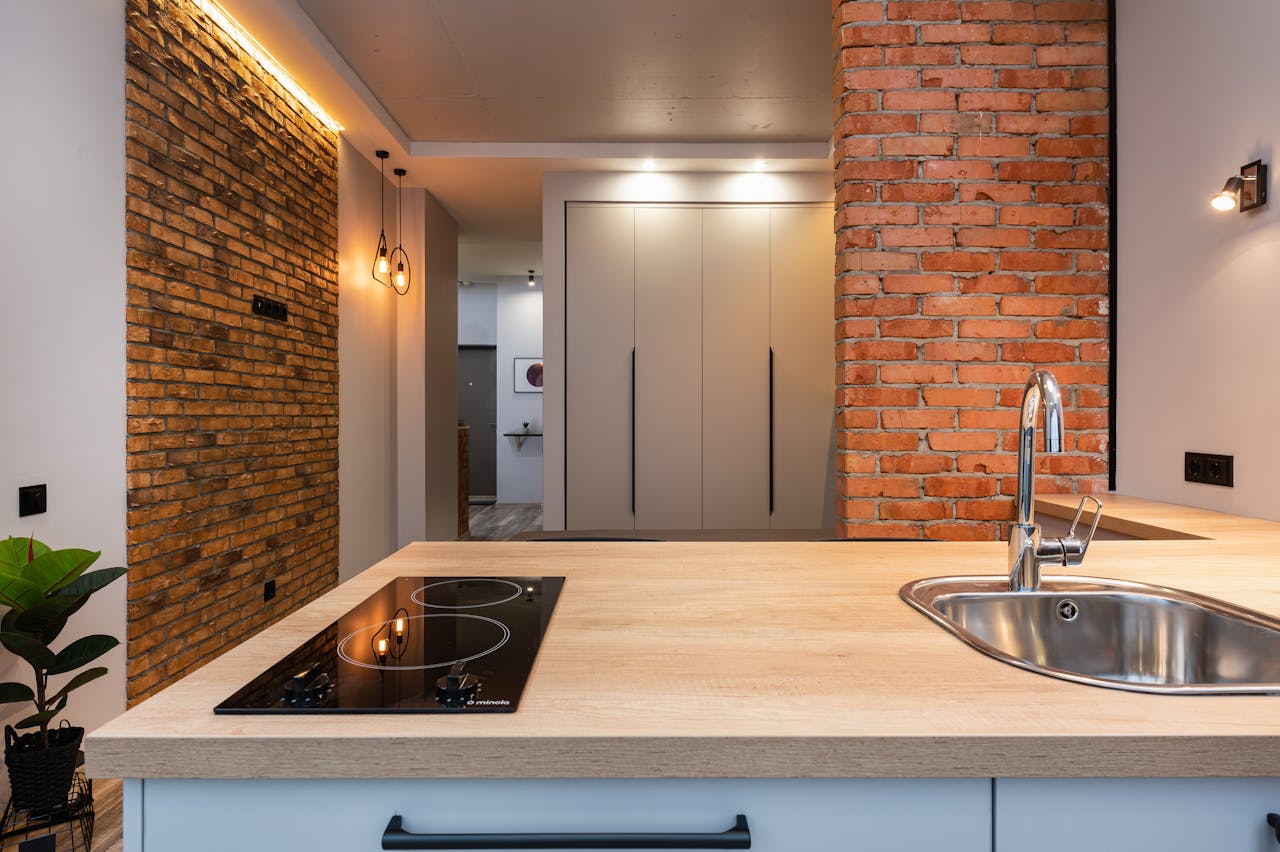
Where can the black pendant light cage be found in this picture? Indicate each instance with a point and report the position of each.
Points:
(381, 259)
(401, 271)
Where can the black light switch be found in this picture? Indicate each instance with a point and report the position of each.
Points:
(270, 308)
(33, 500)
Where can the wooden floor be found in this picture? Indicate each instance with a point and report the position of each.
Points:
(106, 816)
(505, 521)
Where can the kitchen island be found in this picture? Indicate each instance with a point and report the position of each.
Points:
(756, 678)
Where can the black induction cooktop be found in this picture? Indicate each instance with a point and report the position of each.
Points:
(418, 645)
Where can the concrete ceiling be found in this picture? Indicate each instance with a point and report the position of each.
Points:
(489, 95)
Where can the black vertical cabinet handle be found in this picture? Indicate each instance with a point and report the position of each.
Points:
(770, 430)
(633, 430)
(1273, 820)
(738, 837)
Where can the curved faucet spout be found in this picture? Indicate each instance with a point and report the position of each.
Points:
(1026, 551)
(1041, 387)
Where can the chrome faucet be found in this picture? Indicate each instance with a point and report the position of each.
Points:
(1027, 551)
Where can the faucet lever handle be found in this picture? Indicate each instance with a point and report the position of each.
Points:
(1097, 516)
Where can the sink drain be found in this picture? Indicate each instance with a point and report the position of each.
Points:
(1068, 610)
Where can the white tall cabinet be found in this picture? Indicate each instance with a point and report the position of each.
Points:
(699, 366)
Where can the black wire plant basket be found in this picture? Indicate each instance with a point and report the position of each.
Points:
(41, 777)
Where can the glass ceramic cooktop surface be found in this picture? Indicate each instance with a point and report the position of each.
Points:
(418, 645)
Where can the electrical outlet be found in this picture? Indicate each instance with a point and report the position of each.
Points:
(1209, 468)
(268, 590)
(270, 308)
(33, 500)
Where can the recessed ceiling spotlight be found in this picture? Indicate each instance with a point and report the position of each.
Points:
(650, 165)
(758, 165)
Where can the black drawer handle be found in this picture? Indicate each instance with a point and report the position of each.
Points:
(738, 837)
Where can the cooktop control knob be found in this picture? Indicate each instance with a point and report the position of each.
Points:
(457, 688)
(308, 688)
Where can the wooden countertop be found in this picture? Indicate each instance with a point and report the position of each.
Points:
(679, 659)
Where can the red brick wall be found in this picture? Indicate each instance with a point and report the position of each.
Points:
(232, 418)
(972, 246)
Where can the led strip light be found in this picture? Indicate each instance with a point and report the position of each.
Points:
(250, 45)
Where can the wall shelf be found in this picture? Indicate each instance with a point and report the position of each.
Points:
(520, 437)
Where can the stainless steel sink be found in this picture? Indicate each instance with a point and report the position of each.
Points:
(1110, 633)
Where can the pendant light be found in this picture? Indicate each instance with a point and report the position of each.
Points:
(401, 275)
(381, 262)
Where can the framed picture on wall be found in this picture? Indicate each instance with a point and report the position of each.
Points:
(528, 375)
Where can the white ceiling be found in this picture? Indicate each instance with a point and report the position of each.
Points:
(483, 96)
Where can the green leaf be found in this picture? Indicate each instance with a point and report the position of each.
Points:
(44, 621)
(91, 582)
(81, 652)
(13, 553)
(77, 681)
(35, 719)
(55, 569)
(28, 648)
(19, 593)
(12, 691)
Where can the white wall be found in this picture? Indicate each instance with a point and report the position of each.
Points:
(691, 188)
(438, 368)
(1198, 293)
(478, 314)
(62, 296)
(366, 371)
(411, 383)
(519, 317)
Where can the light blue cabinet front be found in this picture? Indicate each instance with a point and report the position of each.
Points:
(1136, 814)
(789, 815)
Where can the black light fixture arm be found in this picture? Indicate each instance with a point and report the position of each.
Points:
(402, 272)
(381, 258)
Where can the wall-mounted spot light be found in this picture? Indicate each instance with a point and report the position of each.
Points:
(381, 264)
(531, 281)
(1246, 190)
(402, 277)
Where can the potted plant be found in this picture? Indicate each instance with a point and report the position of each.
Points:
(42, 588)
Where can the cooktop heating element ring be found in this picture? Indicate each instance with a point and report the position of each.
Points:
(367, 631)
(516, 590)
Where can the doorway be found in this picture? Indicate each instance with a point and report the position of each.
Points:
(478, 408)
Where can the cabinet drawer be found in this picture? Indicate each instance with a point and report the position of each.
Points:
(1136, 814)
(784, 815)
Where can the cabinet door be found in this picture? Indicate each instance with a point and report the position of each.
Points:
(783, 815)
(735, 368)
(1135, 814)
(599, 328)
(668, 335)
(802, 333)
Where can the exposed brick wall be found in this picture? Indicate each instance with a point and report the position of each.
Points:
(232, 419)
(972, 245)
